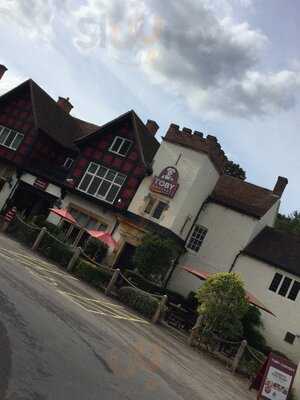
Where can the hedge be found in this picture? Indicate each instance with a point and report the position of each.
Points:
(55, 250)
(97, 276)
(95, 248)
(139, 301)
(41, 222)
(151, 287)
(22, 232)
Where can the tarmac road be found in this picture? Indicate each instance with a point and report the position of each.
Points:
(61, 340)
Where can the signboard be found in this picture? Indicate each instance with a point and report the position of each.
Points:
(166, 183)
(278, 379)
(40, 184)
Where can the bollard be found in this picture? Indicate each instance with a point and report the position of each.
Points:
(112, 282)
(39, 239)
(74, 259)
(159, 310)
(194, 331)
(238, 356)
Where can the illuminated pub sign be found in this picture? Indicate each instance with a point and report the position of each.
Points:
(166, 183)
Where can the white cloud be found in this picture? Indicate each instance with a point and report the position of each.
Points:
(195, 50)
(9, 81)
(35, 18)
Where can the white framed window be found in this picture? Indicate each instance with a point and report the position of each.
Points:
(197, 237)
(285, 286)
(155, 207)
(68, 162)
(120, 146)
(101, 182)
(10, 138)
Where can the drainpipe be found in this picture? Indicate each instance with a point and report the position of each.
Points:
(234, 261)
(171, 271)
(188, 235)
(196, 219)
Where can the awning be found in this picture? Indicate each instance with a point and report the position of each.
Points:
(250, 297)
(105, 237)
(64, 214)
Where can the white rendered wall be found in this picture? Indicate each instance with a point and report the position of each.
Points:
(268, 219)
(258, 276)
(197, 178)
(228, 233)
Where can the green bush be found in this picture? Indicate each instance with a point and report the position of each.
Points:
(41, 222)
(22, 232)
(96, 275)
(55, 250)
(154, 256)
(149, 286)
(95, 248)
(139, 301)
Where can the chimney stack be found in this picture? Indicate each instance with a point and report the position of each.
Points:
(280, 186)
(3, 69)
(65, 104)
(152, 127)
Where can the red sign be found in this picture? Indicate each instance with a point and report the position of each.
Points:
(166, 183)
(276, 378)
(40, 184)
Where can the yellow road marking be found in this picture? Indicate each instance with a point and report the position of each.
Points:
(117, 314)
(91, 305)
(36, 263)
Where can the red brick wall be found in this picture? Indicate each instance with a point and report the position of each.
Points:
(97, 150)
(17, 114)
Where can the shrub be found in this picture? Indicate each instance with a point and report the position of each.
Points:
(252, 325)
(154, 257)
(96, 248)
(222, 305)
(139, 301)
(41, 222)
(23, 232)
(97, 276)
(56, 250)
(149, 286)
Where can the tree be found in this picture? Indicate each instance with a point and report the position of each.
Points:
(234, 170)
(289, 223)
(222, 305)
(252, 325)
(154, 257)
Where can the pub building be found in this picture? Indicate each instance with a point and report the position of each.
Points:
(117, 177)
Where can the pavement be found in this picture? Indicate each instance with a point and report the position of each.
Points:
(61, 339)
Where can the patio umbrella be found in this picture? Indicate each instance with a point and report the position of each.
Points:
(105, 237)
(64, 214)
(250, 297)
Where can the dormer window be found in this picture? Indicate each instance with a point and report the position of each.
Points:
(120, 146)
(68, 162)
(10, 138)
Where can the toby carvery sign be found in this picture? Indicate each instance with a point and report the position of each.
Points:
(166, 183)
(277, 380)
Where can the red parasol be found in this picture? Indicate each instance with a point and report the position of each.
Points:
(64, 214)
(105, 237)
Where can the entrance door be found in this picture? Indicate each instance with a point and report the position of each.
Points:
(125, 260)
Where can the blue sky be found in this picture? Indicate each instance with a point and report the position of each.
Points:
(225, 67)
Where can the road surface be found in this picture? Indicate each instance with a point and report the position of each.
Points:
(62, 340)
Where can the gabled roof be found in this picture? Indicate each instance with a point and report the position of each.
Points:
(276, 248)
(197, 142)
(49, 117)
(243, 197)
(85, 128)
(146, 142)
